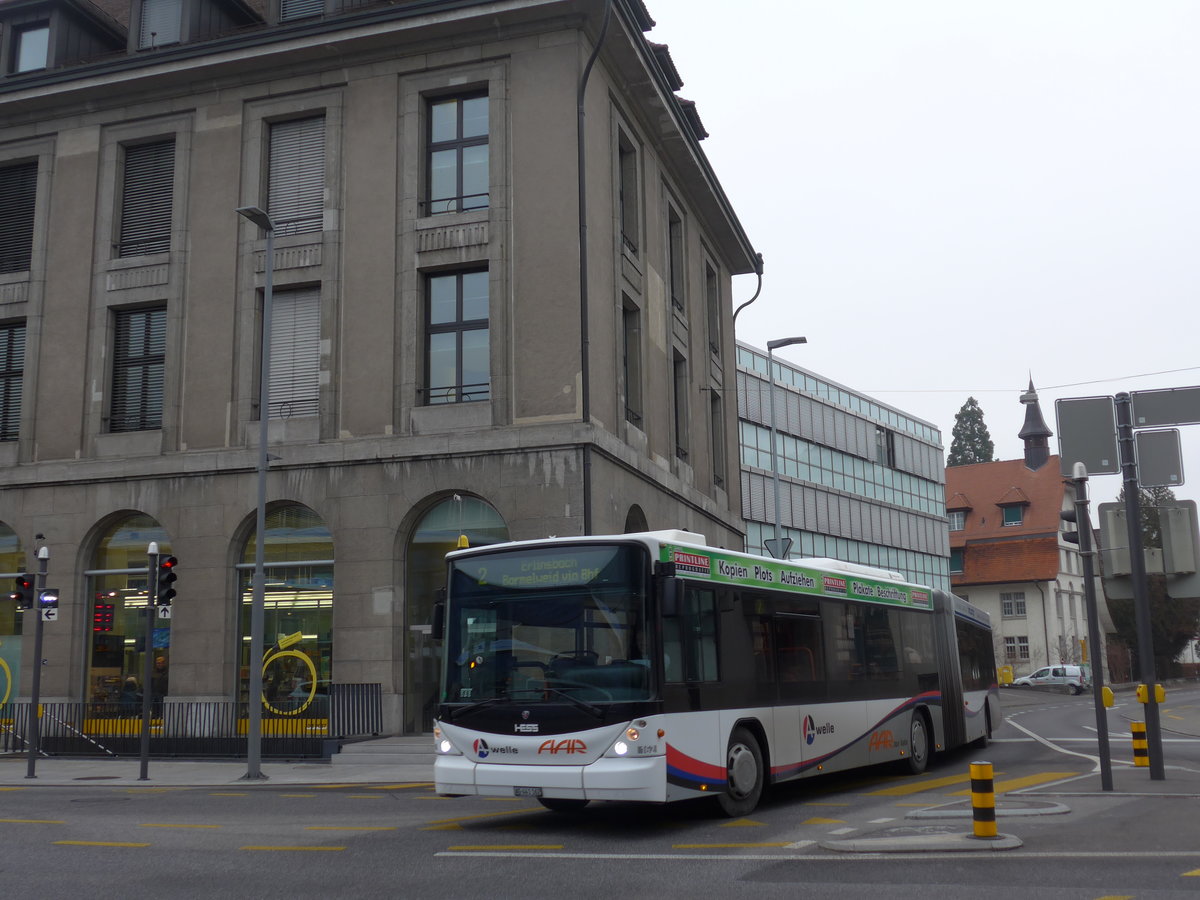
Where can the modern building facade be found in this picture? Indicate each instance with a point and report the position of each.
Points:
(860, 481)
(439, 366)
(1008, 555)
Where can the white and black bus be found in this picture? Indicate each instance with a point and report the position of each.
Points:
(652, 667)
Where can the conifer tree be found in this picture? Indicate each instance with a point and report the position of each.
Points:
(970, 441)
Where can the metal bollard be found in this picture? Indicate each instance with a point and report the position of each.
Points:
(983, 800)
(1141, 750)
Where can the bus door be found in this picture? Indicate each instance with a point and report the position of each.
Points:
(799, 678)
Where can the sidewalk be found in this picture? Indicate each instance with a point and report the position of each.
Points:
(126, 772)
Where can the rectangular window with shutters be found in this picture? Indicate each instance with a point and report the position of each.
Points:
(146, 195)
(458, 353)
(139, 354)
(631, 359)
(300, 9)
(675, 279)
(458, 153)
(296, 175)
(712, 303)
(679, 400)
(12, 371)
(716, 414)
(161, 23)
(295, 353)
(18, 194)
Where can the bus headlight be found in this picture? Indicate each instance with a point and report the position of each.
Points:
(620, 748)
(444, 746)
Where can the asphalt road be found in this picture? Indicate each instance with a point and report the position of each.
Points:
(403, 841)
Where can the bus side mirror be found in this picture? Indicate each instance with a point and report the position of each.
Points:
(670, 597)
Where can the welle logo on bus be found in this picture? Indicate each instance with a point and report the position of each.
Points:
(735, 570)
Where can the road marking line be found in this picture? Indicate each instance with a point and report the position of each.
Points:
(903, 790)
(1193, 872)
(741, 823)
(100, 844)
(400, 787)
(470, 847)
(820, 821)
(881, 821)
(798, 845)
(1013, 784)
(33, 821)
(165, 825)
(843, 830)
(350, 827)
(293, 848)
(724, 846)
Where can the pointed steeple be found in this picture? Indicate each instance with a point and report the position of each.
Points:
(1035, 433)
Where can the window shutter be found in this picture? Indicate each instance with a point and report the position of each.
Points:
(300, 9)
(160, 23)
(146, 199)
(12, 368)
(139, 350)
(295, 353)
(18, 193)
(296, 175)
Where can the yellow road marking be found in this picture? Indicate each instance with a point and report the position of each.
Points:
(1013, 784)
(349, 827)
(294, 848)
(724, 846)
(298, 796)
(1193, 872)
(12, 788)
(508, 847)
(819, 821)
(33, 821)
(909, 787)
(491, 815)
(741, 823)
(443, 828)
(400, 787)
(165, 825)
(100, 844)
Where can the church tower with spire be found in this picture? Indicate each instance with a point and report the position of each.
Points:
(1035, 433)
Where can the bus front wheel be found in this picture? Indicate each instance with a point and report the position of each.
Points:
(744, 775)
(918, 745)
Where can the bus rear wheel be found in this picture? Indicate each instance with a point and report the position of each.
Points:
(744, 775)
(562, 804)
(918, 745)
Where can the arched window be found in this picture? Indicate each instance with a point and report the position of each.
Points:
(435, 535)
(635, 520)
(297, 607)
(12, 564)
(118, 587)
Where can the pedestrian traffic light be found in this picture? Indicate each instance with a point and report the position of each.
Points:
(166, 578)
(23, 595)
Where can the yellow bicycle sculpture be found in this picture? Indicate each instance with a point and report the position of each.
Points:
(277, 654)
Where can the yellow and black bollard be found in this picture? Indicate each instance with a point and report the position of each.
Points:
(1141, 750)
(983, 800)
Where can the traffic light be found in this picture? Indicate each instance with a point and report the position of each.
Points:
(1068, 515)
(166, 578)
(23, 595)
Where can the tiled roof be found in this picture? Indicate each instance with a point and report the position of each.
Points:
(996, 562)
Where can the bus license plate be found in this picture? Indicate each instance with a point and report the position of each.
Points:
(527, 792)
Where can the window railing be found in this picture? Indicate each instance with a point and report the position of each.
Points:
(465, 393)
(435, 207)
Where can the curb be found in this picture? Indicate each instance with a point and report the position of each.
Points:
(925, 843)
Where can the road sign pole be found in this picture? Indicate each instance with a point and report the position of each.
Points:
(148, 657)
(35, 694)
(1084, 522)
(1137, 566)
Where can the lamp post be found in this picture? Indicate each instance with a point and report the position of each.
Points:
(254, 690)
(777, 547)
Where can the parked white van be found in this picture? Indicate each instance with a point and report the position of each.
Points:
(1072, 677)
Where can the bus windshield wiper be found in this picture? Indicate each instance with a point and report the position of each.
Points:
(588, 708)
(454, 713)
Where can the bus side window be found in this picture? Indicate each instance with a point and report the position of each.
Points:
(672, 648)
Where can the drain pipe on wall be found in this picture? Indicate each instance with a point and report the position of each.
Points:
(585, 399)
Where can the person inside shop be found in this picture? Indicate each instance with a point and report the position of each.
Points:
(158, 682)
(131, 697)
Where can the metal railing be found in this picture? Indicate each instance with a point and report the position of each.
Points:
(196, 729)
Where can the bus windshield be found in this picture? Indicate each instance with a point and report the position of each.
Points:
(567, 622)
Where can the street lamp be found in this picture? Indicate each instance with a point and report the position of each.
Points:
(254, 691)
(777, 548)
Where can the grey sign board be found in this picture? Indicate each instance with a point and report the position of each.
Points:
(1087, 433)
(1171, 406)
(1159, 458)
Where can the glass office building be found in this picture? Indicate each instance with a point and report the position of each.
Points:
(860, 481)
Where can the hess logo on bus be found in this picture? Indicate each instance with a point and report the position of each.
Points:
(570, 745)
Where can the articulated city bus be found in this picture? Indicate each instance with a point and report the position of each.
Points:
(651, 667)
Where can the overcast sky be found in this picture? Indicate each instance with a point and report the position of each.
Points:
(952, 196)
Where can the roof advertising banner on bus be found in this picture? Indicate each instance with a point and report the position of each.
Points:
(749, 571)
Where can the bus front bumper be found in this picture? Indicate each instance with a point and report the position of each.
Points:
(643, 779)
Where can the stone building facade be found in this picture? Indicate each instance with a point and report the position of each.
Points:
(439, 367)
